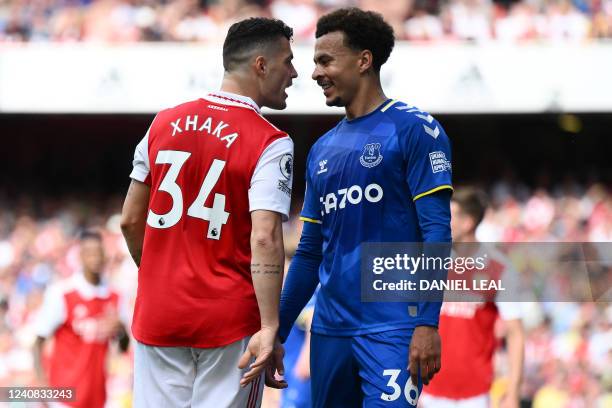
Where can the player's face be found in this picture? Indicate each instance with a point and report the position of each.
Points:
(280, 74)
(461, 223)
(336, 69)
(92, 255)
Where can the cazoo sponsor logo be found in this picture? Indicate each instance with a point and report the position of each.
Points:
(353, 195)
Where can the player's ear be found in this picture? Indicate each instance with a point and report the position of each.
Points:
(260, 65)
(365, 61)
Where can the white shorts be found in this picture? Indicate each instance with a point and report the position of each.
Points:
(429, 401)
(177, 377)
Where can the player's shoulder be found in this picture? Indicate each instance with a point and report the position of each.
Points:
(410, 119)
(405, 114)
(183, 107)
(265, 125)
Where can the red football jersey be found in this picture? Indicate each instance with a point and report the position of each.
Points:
(78, 315)
(209, 162)
(468, 341)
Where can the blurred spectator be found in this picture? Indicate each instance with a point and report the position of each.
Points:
(301, 15)
(424, 24)
(394, 12)
(471, 19)
(126, 21)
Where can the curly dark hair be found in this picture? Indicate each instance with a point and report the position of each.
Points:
(247, 35)
(364, 30)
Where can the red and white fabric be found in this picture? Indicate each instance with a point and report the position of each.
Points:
(467, 333)
(81, 318)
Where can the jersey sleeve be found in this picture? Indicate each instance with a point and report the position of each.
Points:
(52, 313)
(427, 152)
(273, 178)
(311, 211)
(141, 167)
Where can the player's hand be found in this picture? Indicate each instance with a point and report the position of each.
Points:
(260, 347)
(275, 366)
(109, 325)
(510, 400)
(424, 354)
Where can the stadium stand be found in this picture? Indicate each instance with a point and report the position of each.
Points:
(123, 21)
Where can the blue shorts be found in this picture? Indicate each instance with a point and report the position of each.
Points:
(367, 371)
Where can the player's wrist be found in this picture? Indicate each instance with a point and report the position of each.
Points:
(270, 326)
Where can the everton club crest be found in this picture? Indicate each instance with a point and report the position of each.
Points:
(371, 156)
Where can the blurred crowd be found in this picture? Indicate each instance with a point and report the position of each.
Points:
(125, 21)
(569, 345)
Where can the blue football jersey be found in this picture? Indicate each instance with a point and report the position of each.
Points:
(362, 178)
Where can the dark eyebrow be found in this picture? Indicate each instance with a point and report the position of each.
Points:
(320, 57)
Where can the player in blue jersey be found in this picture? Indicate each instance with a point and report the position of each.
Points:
(383, 174)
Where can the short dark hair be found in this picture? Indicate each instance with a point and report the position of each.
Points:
(472, 201)
(249, 34)
(363, 30)
(90, 234)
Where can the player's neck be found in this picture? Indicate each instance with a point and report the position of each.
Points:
(93, 278)
(237, 86)
(368, 98)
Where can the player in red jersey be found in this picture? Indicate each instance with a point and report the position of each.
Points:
(467, 328)
(210, 188)
(82, 315)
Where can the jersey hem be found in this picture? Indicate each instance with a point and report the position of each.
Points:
(459, 397)
(206, 344)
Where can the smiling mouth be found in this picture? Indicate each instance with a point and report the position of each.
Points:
(326, 87)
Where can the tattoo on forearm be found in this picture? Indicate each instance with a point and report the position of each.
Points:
(266, 269)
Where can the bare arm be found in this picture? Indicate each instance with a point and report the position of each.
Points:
(515, 339)
(37, 352)
(267, 266)
(134, 217)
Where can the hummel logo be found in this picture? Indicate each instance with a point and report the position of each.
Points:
(322, 165)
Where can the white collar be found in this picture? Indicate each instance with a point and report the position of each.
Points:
(229, 98)
(88, 290)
